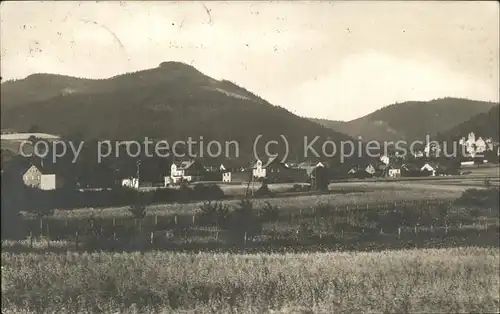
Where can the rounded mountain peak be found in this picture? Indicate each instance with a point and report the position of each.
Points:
(175, 65)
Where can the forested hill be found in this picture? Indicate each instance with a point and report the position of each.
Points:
(411, 120)
(484, 124)
(173, 101)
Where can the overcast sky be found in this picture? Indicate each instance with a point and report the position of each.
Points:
(336, 60)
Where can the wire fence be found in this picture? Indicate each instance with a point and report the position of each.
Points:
(319, 224)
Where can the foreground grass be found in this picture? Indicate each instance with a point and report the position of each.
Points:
(445, 280)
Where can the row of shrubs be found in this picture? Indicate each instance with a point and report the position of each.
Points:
(34, 199)
(30, 199)
(480, 197)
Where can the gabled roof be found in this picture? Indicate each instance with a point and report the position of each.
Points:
(21, 168)
(185, 164)
(433, 164)
(253, 164)
(409, 166)
(306, 164)
(370, 169)
(270, 161)
(352, 170)
(292, 165)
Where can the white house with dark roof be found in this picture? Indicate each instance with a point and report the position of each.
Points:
(370, 169)
(187, 170)
(258, 169)
(38, 177)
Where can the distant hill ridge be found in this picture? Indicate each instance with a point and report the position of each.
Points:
(411, 120)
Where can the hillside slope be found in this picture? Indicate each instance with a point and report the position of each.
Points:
(484, 124)
(173, 101)
(411, 120)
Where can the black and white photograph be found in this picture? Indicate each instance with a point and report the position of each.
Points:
(250, 156)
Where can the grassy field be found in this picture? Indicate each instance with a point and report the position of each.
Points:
(434, 280)
(340, 194)
(430, 261)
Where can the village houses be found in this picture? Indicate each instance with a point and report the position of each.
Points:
(276, 171)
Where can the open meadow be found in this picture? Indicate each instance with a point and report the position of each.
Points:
(408, 281)
(340, 194)
(396, 247)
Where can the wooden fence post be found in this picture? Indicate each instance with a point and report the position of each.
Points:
(194, 217)
(114, 222)
(245, 238)
(156, 219)
(381, 231)
(217, 234)
(76, 240)
(416, 230)
(152, 237)
(175, 220)
(399, 232)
